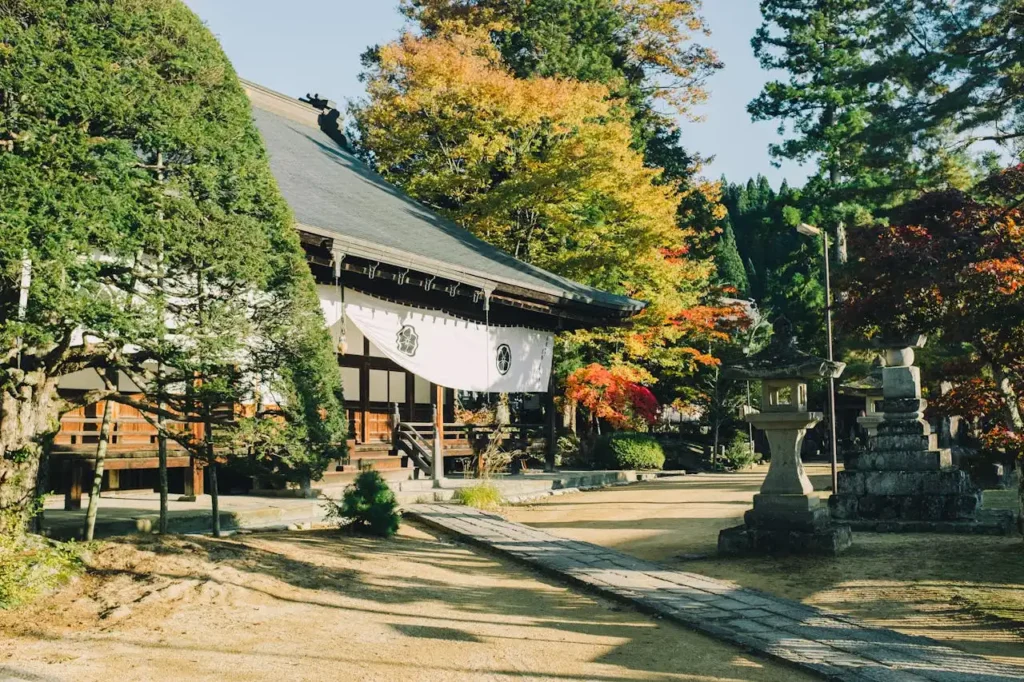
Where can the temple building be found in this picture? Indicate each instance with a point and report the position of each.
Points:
(418, 307)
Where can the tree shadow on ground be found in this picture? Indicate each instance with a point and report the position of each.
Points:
(473, 612)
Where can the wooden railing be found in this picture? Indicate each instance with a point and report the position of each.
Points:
(416, 440)
(80, 434)
(408, 442)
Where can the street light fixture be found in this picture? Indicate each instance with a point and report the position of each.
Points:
(812, 231)
(808, 230)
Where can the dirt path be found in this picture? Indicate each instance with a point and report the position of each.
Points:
(325, 606)
(966, 590)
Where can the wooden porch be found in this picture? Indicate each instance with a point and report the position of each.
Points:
(132, 450)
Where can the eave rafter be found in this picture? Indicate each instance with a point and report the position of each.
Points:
(324, 254)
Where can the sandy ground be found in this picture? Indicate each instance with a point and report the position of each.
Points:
(967, 590)
(323, 605)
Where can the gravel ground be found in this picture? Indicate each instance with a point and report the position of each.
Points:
(965, 590)
(324, 605)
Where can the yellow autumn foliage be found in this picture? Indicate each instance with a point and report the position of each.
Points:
(658, 36)
(542, 168)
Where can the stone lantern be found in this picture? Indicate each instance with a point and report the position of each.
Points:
(787, 517)
(868, 389)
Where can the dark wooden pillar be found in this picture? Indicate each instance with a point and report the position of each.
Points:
(437, 465)
(410, 396)
(364, 392)
(76, 472)
(193, 479)
(550, 427)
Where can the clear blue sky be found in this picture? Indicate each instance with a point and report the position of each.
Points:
(304, 46)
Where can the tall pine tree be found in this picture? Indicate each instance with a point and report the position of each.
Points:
(957, 68)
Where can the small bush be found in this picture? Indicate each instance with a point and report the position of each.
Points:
(568, 451)
(31, 565)
(369, 504)
(682, 452)
(629, 450)
(739, 455)
(481, 496)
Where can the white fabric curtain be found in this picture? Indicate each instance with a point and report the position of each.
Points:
(330, 303)
(451, 352)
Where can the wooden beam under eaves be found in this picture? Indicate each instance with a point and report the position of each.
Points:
(315, 240)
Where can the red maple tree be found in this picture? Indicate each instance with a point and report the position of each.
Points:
(613, 394)
(951, 264)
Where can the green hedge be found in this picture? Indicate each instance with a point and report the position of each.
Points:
(629, 450)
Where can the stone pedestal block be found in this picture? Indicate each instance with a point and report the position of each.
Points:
(901, 382)
(899, 460)
(955, 507)
(740, 540)
(951, 482)
(787, 512)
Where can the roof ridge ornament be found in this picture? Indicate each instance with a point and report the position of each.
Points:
(318, 102)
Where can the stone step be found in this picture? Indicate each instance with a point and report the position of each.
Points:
(896, 483)
(848, 507)
(372, 456)
(341, 478)
(899, 460)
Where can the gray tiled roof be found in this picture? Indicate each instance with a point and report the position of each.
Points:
(330, 189)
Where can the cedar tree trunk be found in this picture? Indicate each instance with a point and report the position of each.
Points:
(29, 415)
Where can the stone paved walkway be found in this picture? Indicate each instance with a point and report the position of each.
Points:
(829, 644)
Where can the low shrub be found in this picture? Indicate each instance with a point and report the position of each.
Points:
(682, 452)
(31, 565)
(568, 451)
(369, 505)
(629, 450)
(481, 496)
(739, 455)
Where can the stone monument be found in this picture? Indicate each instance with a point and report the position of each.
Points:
(903, 481)
(787, 517)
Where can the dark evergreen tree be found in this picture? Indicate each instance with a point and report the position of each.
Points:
(128, 156)
(730, 265)
(822, 46)
(957, 67)
(783, 269)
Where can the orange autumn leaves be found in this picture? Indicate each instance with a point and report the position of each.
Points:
(614, 395)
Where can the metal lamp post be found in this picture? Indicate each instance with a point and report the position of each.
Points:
(812, 231)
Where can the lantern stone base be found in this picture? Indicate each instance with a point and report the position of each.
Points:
(745, 540)
(786, 524)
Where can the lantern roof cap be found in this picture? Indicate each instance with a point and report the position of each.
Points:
(782, 359)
